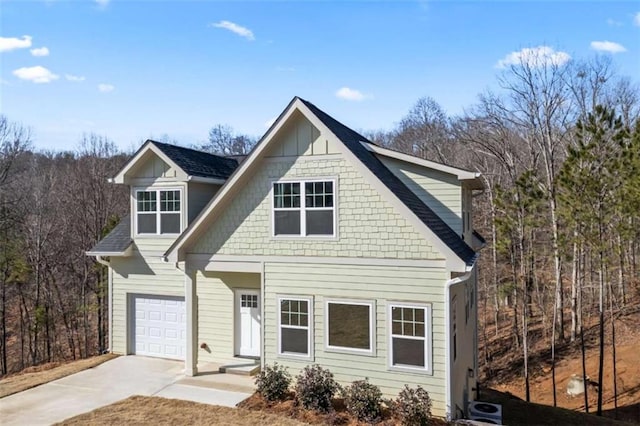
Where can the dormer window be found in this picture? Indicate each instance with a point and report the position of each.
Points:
(158, 212)
(304, 208)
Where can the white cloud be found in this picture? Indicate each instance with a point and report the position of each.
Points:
(349, 94)
(534, 57)
(71, 77)
(636, 19)
(614, 23)
(12, 43)
(607, 46)
(106, 88)
(270, 122)
(235, 28)
(102, 3)
(35, 74)
(40, 51)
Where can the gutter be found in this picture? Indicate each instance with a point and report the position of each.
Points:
(447, 342)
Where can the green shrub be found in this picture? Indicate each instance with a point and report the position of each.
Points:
(362, 400)
(273, 382)
(413, 406)
(315, 388)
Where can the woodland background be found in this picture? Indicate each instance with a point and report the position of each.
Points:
(558, 146)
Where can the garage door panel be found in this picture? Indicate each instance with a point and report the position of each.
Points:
(160, 327)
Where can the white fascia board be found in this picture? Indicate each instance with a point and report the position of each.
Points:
(174, 252)
(125, 253)
(460, 173)
(200, 179)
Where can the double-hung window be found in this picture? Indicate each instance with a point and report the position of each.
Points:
(304, 208)
(349, 326)
(158, 211)
(410, 336)
(295, 326)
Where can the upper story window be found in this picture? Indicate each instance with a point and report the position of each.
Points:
(304, 208)
(158, 211)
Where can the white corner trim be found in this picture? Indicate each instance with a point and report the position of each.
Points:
(448, 365)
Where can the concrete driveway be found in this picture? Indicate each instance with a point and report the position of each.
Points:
(114, 380)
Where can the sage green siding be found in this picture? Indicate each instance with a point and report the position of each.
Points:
(380, 284)
(139, 275)
(440, 191)
(216, 312)
(198, 196)
(368, 225)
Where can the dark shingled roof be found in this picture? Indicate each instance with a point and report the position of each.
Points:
(198, 163)
(116, 241)
(479, 237)
(351, 140)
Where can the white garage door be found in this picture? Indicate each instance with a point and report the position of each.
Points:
(160, 327)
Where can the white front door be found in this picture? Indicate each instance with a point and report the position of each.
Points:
(248, 323)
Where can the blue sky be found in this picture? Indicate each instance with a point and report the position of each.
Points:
(132, 70)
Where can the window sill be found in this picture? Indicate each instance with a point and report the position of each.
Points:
(156, 236)
(292, 357)
(304, 238)
(407, 369)
(347, 351)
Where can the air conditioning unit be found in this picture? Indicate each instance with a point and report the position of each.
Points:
(485, 412)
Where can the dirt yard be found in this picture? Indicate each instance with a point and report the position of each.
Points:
(628, 376)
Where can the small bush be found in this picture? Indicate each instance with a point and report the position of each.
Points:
(273, 382)
(413, 406)
(315, 388)
(362, 400)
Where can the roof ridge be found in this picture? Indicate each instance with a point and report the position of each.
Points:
(196, 151)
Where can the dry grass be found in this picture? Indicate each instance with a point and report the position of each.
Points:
(36, 376)
(144, 410)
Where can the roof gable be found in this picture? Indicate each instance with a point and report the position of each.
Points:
(351, 140)
(446, 239)
(179, 160)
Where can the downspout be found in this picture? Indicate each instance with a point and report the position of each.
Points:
(106, 263)
(447, 342)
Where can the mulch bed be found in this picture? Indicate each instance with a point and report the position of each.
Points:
(339, 415)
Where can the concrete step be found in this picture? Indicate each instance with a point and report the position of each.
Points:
(244, 367)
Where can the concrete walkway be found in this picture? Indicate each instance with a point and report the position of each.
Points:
(116, 380)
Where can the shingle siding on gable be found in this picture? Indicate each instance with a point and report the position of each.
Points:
(368, 226)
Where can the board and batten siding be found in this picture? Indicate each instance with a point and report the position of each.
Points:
(381, 284)
(367, 224)
(199, 196)
(440, 191)
(139, 275)
(216, 312)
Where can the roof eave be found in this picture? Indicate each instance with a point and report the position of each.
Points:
(202, 179)
(460, 173)
(124, 253)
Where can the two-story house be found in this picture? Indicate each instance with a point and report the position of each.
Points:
(319, 247)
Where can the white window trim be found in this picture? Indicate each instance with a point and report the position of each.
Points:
(157, 234)
(310, 347)
(428, 339)
(372, 328)
(303, 209)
